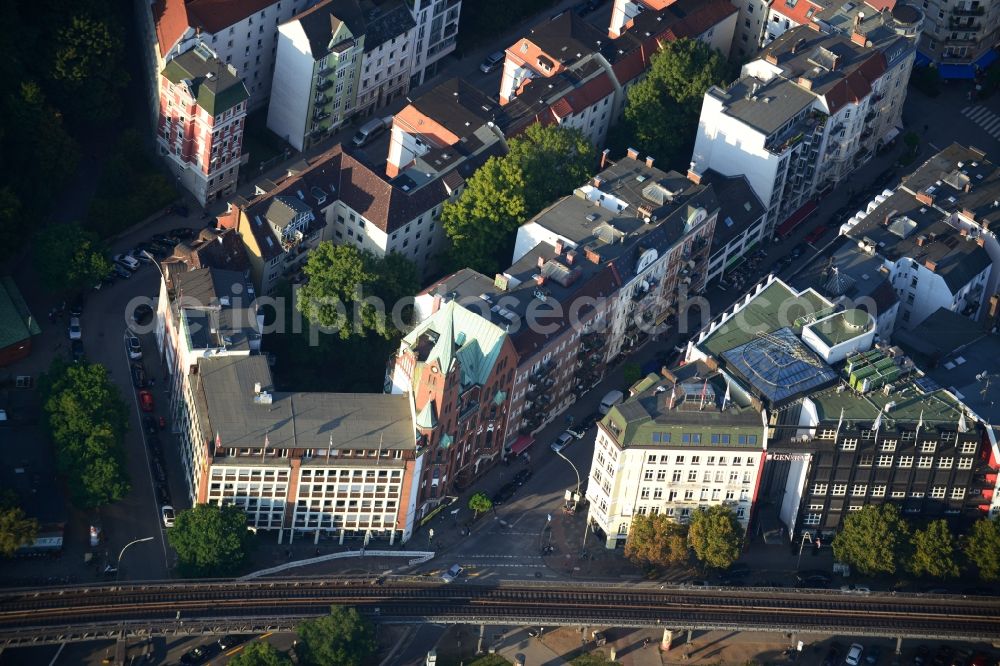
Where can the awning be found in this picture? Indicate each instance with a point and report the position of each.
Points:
(890, 135)
(521, 444)
(987, 58)
(796, 218)
(921, 60)
(957, 71)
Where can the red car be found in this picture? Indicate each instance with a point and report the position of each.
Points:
(146, 400)
(816, 234)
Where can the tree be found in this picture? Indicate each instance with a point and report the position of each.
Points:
(873, 540)
(982, 547)
(260, 653)
(342, 638)
(542, 164)
(210, 540)
(631, 373)
(933, 551)
(67, 258)
(593, 659)
(662, 110)
(87, 67)
(715, 536)
(16, 529)
(87, 419)
(353, 291)
(480, 503)
(656, 540)
(491, 660)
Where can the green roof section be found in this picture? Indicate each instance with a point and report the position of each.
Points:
(214, 84)
(16, 322)
(775, 307)
(907, 404)
(843, 326)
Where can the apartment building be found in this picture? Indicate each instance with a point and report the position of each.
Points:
(212, 248)
(809, 111)
(566, 71)
(454, 370)
(554, 305)
(653, 227)
(741, 225)
(750, 26)
(933, 250)
(436, 35)
(241, 34)
(335, 61)
(203, 106)
(959, 37)
(677, 445)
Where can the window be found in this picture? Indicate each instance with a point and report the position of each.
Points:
(866, 460)
(711, 460)
(839, 489)
(849, 445)
(746, 477)
(688, 495)
(691, 438)
(859, 490)
(811, 519)
(692, 476)
(647, 475)
(946, 462)
(644, 493)
(905, 461)
(937, 492)
(695, 460)
(664, 460)
(917, 494)
(747, 439)
(925, 462)
(651, 459)
(680, 460)
(819, 489)
(927, 447)
(958, 493)
(968, 447)
(965, 463)
(827, 433)
(898, 494)
(661, 475)
(720, 439)
(734, 477)
(866, 434)
(738, 460)
(886, 461)
(658, 493)
(677, 476)
(888, 445)
(947, 436)
(815, 507)
(707, 477)
(878, 490)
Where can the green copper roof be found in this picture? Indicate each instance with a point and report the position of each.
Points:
(427, 418)
(463, 336)
(16, 322)
(214, 84)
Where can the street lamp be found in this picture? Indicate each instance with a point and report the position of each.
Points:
(575, 471)
(118, 564)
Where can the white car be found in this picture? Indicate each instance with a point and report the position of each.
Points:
(134, 347)
(452, 573)
(853, 657)
(167, 513)
(128, 261)
(855, 589)
(562, 441)
(75, 332)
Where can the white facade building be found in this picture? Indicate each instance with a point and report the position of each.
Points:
(436, 35)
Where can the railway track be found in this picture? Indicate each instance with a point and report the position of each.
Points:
(101, 608)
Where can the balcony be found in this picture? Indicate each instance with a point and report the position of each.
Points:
(322, 115)
(968, 11)
(538, 375)
(322, 100)
(324, 85)
(956, 23)
(591, 341)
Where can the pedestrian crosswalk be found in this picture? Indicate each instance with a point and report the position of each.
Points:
(988, 120)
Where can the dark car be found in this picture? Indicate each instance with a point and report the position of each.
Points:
(505, 493)
(142, 314)
(159, 473)
(229, 641)
(818, 580)
(179, 210)
(160, 250)
(832, 657)
(798, 250)
(183, 233)
(76, 307)
(149, 423)
(522, 477)
(163, 239)
(138, 376)
(163, 493)
(588, 421)
(121, 271)
(200, 654)
(76, 350)
(143, 252)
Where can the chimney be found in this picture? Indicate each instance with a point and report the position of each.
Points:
(925, 198)
(968, 187)
(930, 265)
(860, 39)
(649, 161)
(632, 153)
(771, 58)
(921, 240)
(592, 256)
(604, 157)
(559, 247)
(540, 280)
(694, 177)
(994, 305)
(257, 388)
(541, 261)
(571, 257)
(798, 45)
(805, 82)
(981, 241)
(436, 305)
(598, 181)
(971, 214)
(836, 63)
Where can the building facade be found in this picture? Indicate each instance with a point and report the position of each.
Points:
(677, 445)
(436, 35)
(202, 118)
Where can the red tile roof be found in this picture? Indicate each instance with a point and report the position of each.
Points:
(856, 85)
(590, 93)
(798, 12)
(174, 17)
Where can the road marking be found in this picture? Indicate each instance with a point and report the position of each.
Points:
(240, 647)
(987, 120)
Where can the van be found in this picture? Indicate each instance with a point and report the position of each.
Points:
(610, 400)
(370, 130)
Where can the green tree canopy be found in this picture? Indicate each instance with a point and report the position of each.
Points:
(873, 540)
(87, 419)
(210, 540)
(68, 258)
(661, 114)
(342, 638)
(480, 503)
(16, 529)
(354, 291)
(715, 535)
(933, 551)
(982, 547)
(656, 540)
(543, 163)
(260, 653)
(83, 57)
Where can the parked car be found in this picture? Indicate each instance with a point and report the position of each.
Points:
(127, 261)
(854, 655)
(149, 423)
(163, 493)
(160, 250)
(138, 376)
(231, 641)
(816, 234)
(522, 476)
(142, 314)
(492, 61)
(167, 513)
(369, 131)
(855, 589)
(75, 332)
(562, 441)
(146, 401)
(163, 239)
(121, 271)
(76, 350)
(76, 307)
(590, 420)
(832, 657)
(134, 347)
(144, 253)
(183, 233)
(452, 573)
(199, 655)
(506, 491)
(179, 209)
(922, 655)
(577, 431)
